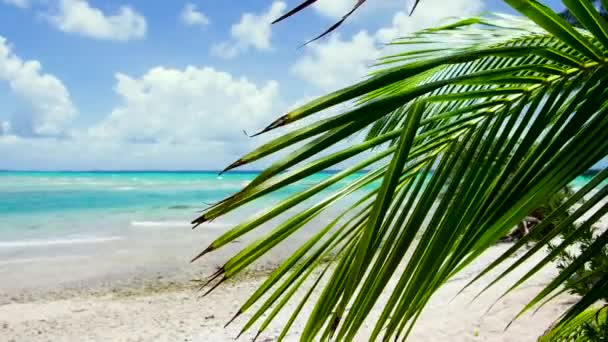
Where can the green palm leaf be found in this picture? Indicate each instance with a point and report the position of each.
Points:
(460, 145)
(582, 328)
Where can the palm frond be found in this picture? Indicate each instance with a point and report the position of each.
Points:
(462, 142)
(585, 327)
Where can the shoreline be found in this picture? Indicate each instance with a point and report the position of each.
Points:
(122, 286)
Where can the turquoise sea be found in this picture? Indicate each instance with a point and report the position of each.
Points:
(46, 208)
(74, 227)
(46, 211)
(51, 211)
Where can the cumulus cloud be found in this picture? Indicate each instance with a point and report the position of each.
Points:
(83, 153)
(50, 109)
(188, 118)
(191, 16)
(427, 14)
(18, 3)
(252, 31)
(5, 128)
(185, 106)
(78, 17)
(336, 62)
(334, 8)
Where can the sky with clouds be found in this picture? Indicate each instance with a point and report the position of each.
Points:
(139, 84)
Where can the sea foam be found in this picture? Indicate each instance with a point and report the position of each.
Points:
(178, 224)
(59, 241)
(160, 224)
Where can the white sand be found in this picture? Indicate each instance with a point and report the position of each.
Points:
(178, 315)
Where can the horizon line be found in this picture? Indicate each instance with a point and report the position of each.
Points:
(181, 171)
(148, 170)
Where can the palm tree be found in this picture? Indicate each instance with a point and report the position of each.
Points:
(529, 94)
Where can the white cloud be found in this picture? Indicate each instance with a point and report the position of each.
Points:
(191, 118)
(18, 3)
(83, 153)
(187, 106)
(337, 62)
(427, 14)
(78, 17)
(252, 31)
(5, 128)
(47, 99)
(334, 8)
(192, 17)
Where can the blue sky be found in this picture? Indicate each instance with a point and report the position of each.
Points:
(139, 84)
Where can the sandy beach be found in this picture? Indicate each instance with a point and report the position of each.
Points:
(172, 311)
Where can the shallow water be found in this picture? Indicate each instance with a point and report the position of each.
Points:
(79, 225)
(63, 205)
(40, 209)
(62, 227)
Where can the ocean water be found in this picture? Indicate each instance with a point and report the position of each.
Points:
(46, 210)
(86, 229)
(75, 229)
(56, 209)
